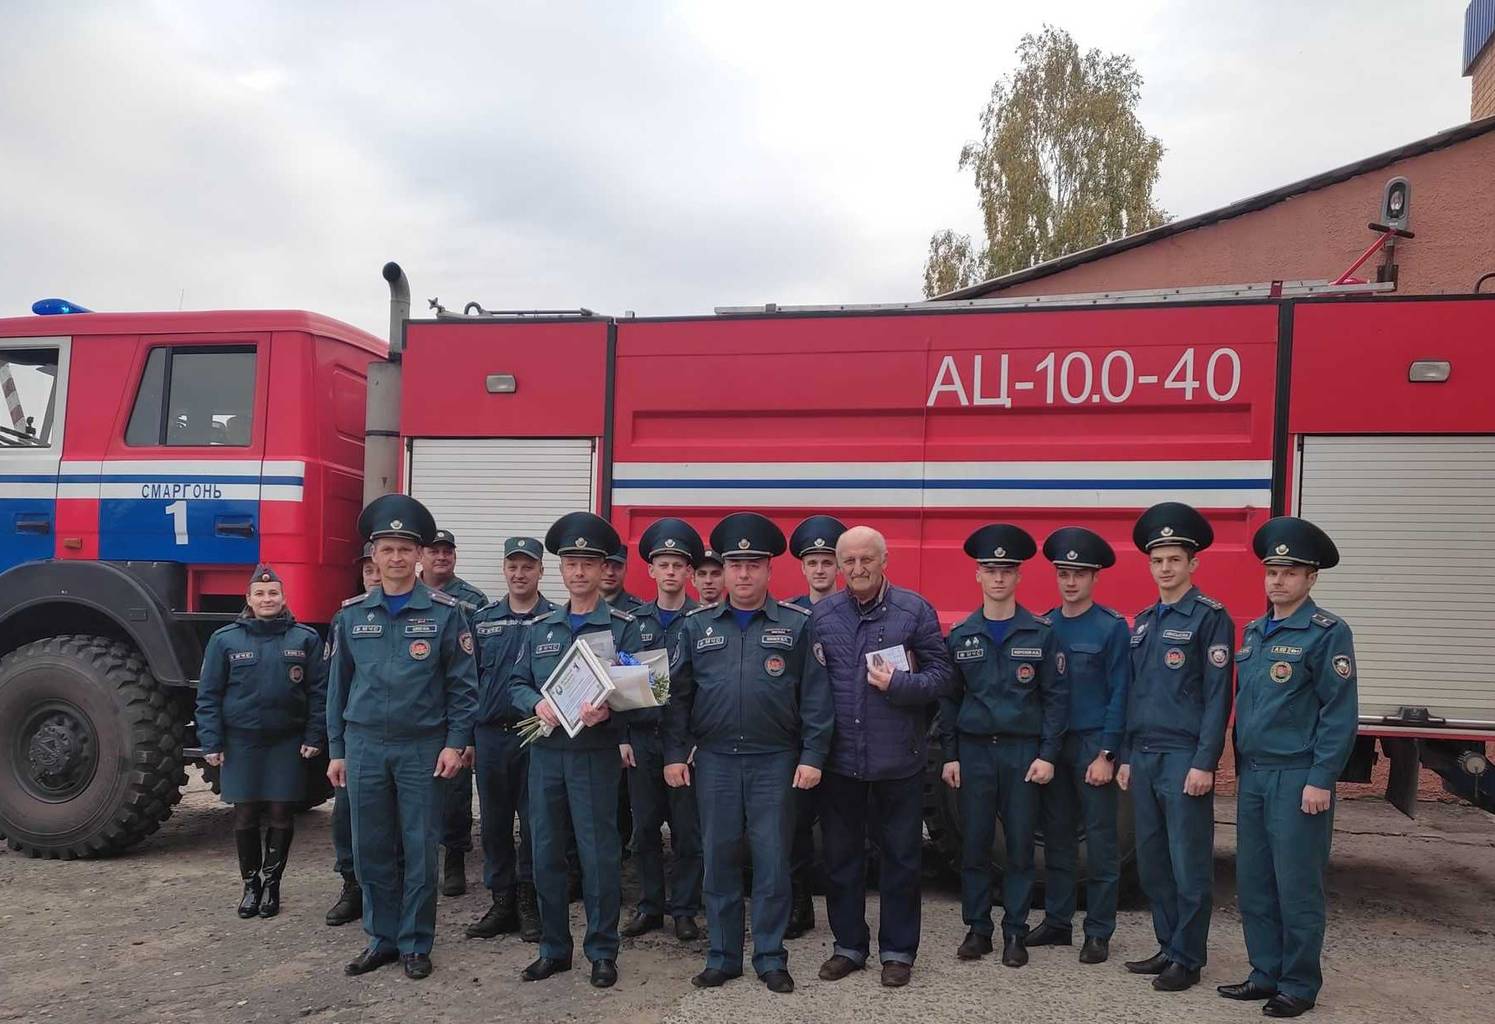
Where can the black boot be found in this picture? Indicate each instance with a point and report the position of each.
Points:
(499, 920)
(349, 905)
(529, 913)
(248, 842)
(801, 912)
(277, 849)
(454, 873)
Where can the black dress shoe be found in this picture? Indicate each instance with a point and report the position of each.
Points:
(974, 947)
(1152, 965)
(1245, 991)
(1049, 935)
(1095, 951)
(1176, 978)
(604, 974)
(417, 965)
(642, 924)
(686, 929)
(838, 967)
(778, 981)
(712, 977)
(1014, 952)
(1284, 1005)
(544, 968)
(370, 960)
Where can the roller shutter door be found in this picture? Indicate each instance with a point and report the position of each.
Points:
(1414, 519)
(487, 489)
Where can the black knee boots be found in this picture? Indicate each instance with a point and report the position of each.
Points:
(277, 849)
(247, 840)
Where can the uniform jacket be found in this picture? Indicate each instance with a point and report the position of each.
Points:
(1181, 669)
(263, 675)
(881, 735)
(1100, 671)
(1297, 705)
(402, 676)
(467, 595)
(655, 635)
(499, 632)
(1019, 689)
(546, 641)
(755, 691)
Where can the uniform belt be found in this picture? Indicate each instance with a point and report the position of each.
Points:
(1275, 762)
(996, 737)
(503, 726)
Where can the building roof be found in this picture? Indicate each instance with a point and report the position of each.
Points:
(1479, 26)
(1442, 140)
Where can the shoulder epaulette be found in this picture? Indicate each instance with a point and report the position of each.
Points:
(226, 628)
(1145, 611)
(1043, 620)
(442, 597)
(1112, 612)
(1210, 601)
(625, 616)
(1320, 619)
(795, 607)
(354, 600)
(305, 628)
(702, 608)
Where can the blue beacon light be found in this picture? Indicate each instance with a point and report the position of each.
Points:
(56, 307)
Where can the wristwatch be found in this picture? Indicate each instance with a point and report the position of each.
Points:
(1109, 755)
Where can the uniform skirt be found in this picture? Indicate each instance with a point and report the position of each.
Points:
(262, 766)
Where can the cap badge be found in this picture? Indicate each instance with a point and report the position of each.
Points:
(1071, 555)
(744, 544)
(395, 524)
(669, 542)
(820, 542)
(581, 542)
(1166, 531)
(1000, 552)
(264, 577)
(1282, 549)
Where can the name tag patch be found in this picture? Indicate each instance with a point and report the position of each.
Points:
(1182, 636)
(541, 650)
(970, 654)
(490, 628)
(240, 657)
(1287, 649)
(706, 643)
(294, 652)
(420, 629)
(368, 629)
(777, 638)
(1026, 652)
(646, 637)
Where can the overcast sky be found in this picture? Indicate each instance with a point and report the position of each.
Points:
(664, 158)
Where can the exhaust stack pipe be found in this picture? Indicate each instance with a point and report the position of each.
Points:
(381, 436)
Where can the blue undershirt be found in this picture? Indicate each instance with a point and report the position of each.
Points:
(667, 616)
(997, 630)
(397, 601)
(743, 617)
(577, 621)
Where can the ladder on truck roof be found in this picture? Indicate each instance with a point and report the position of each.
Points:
(1197, 293)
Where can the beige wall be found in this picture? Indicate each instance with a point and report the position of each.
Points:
(1482, 97)
(1318, 234)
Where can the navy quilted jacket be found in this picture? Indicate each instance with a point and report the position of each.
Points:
(881, 735)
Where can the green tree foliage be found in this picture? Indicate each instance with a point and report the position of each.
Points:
(1062, 164)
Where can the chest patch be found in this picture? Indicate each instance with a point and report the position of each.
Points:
(1181, 636)
(420, 629)
(368, 629)
(1175, 658)
(294, 653)
(1286, 650)
(297, 673)
(1281, 671)
(975, 652)
(1026, 652)
(777, 637)
(420, 650)
(1219, 655)
(241, 657)
(544, 650)
(1343, 666)
(646, 637)
(490, 628)
(1026, 672)
(706, 643)
(774, 664)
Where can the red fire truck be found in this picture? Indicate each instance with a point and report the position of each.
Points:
(149, 470)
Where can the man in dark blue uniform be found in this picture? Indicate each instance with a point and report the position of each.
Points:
(439, 572)
(813, 542)
(670, 547)
(1094, 639)
(1295, 722)
(750, 692)
(349, 905)
(1001, 728)
(573, 783)
(502, 762)
(709, 577)
(613, 571)
(401, 695)
(1176, 714)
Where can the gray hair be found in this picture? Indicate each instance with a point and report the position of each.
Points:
(862, 534)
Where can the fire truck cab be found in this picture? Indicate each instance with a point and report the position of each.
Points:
(147, 462)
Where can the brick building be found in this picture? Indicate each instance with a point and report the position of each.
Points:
(1479, 57)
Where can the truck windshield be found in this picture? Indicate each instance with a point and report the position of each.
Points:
(28, 380)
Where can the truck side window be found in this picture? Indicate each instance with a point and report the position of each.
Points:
(194, 397)
(28, 383)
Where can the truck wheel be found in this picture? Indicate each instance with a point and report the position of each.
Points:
(942, 822)
(90, 751)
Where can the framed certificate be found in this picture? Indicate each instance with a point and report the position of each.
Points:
(579, 678)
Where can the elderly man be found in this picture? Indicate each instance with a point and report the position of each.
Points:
(887, 663)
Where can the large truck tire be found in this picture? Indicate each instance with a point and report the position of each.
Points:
(90, 749)
(942, 824)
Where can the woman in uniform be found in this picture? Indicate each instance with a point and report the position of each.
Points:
(261, 711)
